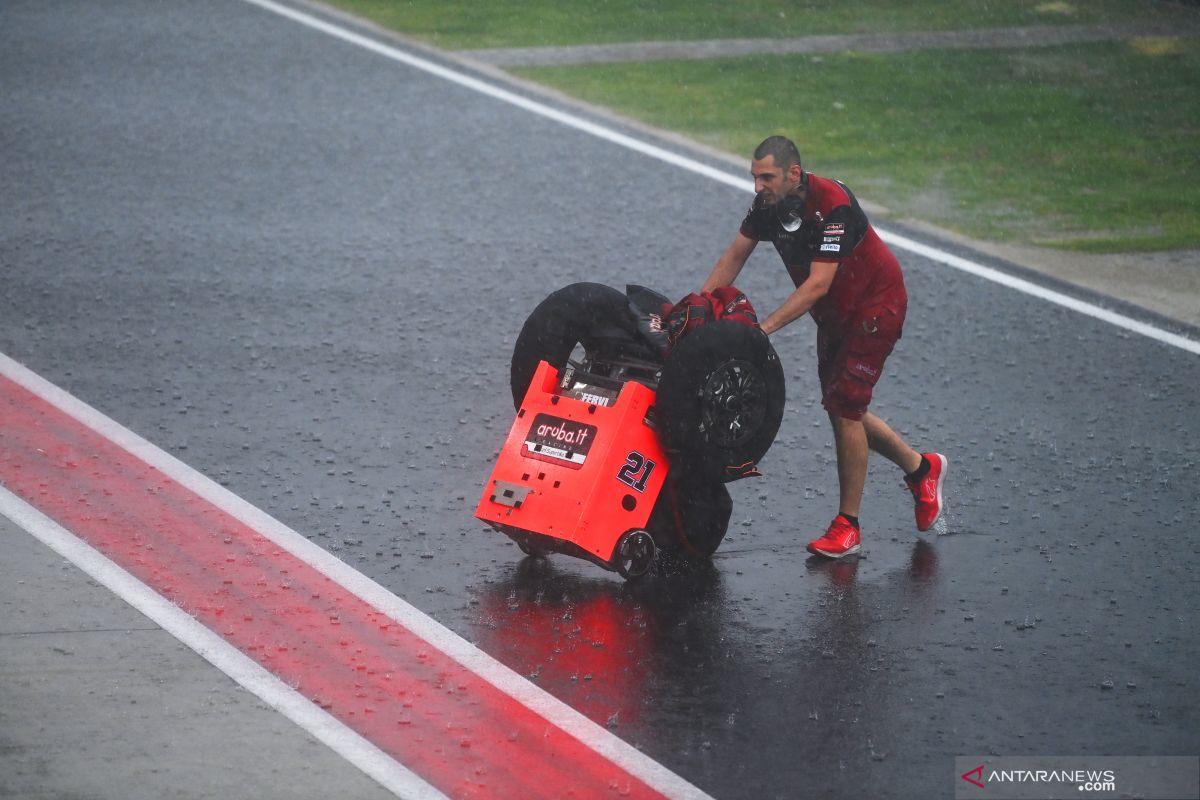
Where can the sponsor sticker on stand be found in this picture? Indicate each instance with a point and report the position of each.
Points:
(558, 440)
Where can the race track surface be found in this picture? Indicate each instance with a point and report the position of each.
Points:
(299, 267)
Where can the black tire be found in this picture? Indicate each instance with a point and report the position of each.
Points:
(589, 314)
(692, 513)
(721, 396)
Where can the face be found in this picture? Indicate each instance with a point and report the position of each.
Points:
(771, 182)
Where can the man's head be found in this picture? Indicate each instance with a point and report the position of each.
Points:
(776, 169)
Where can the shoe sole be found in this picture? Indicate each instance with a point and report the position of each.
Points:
(941, 480)
(818, 552)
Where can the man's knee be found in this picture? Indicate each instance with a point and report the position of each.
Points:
(847, 398)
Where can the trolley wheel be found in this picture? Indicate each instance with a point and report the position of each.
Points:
(531, 550)
(635, 554)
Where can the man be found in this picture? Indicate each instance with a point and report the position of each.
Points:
(847, 279)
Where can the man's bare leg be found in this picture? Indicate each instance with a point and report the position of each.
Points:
(851, 440)
(885, 441)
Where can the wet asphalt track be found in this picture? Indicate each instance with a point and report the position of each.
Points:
(299, 267)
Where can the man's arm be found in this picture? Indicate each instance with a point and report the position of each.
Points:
(799, 302)
(730, 264)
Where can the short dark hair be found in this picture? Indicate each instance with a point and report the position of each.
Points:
(782, 149)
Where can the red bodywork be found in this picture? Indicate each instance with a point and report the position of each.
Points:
(581, 466)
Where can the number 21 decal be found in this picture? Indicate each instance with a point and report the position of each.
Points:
(636, 471)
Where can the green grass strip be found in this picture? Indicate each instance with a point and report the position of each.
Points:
(1091, 147)
(463, 24)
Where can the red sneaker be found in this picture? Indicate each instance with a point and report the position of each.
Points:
(841, 539)
(927, 492)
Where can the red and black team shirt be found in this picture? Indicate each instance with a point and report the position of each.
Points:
(827, 224)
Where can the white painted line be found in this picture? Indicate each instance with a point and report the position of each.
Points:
(1041, 292)
(658, 153)
(342, 740)
(472, 658)
(498, 93)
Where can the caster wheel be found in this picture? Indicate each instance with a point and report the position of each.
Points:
(635, 554)
(530, 550)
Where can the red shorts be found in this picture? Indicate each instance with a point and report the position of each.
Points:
(850, 357)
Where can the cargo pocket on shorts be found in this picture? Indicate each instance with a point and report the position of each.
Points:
(870, 338)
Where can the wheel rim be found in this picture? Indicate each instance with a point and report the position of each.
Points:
(635, 554)
(733, 403)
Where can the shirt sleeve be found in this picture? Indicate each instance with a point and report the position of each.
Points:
(837, 236)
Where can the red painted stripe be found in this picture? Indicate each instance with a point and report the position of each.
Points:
(443, 722)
